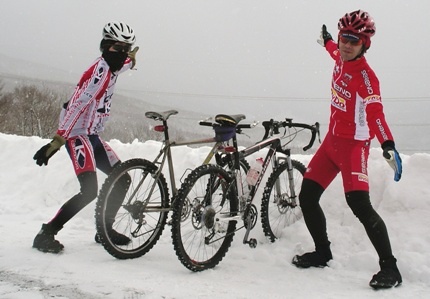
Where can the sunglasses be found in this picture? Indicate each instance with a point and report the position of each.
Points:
(121, 47)
(348, 39)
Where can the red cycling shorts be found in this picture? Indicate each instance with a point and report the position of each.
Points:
(89, 152)
(336, 154)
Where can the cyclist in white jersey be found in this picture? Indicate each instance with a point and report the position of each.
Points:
(81, 120)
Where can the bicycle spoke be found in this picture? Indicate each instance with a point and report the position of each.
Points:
(202, 239)
(137, 212)
(278, 208)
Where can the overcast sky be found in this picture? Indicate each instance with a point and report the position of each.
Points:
(206, 55)
(227, 47)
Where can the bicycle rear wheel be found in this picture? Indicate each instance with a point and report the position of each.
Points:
(278, 208)
(202, 228)
(135, 204)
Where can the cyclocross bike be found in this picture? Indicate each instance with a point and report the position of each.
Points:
(216, 200)
(134, 199)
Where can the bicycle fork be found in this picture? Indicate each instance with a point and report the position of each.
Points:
(278, 195)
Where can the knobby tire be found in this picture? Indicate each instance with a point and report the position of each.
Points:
(140, 217)
(200, 236)
(278, 210)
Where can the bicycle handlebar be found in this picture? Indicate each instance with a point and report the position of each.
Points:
(274, 126)
(238, 127)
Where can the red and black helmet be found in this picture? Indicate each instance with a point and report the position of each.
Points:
(358, 22)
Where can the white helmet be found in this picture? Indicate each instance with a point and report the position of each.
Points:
(119, 31)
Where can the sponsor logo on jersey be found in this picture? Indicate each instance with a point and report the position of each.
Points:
(342, 91)
(373, 99)
(381, 129)
(99, 74)
(362, 115)
(88, 94)
(367, 82)
(337, 101)
(345, 79)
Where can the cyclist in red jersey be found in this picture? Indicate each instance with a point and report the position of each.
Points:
(81, 120)
(356, 117)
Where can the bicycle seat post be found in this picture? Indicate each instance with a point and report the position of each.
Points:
(166, 132)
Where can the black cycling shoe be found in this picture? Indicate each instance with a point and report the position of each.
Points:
(45, 241)
(385, 279)
(311, 259)
(388, 277)
(115, 237)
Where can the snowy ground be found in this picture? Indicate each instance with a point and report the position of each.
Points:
(31, 195)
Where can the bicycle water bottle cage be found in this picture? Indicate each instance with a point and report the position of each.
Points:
(229, 120)
(224, 133)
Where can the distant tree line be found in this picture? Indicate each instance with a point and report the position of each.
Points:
(30, 110)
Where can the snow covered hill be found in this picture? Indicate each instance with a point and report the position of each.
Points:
(31, 195)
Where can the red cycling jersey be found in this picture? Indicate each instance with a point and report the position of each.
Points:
(356, 117)
(356, 105)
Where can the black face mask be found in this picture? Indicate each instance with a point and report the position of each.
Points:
(115, 60)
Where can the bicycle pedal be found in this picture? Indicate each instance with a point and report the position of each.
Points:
(252, 243)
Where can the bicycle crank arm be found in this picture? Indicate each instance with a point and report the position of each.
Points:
(208, 240)
(251, 241)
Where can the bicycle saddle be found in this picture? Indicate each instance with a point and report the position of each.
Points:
(229, 120)
(160, 115)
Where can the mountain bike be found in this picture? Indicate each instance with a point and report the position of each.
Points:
(216, 199)
(134, 199)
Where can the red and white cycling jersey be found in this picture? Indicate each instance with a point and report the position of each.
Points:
(89, 107)
(356, 105)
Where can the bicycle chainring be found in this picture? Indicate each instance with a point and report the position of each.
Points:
(250, 216)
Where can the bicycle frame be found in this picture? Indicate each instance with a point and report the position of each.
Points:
(273, 143)
(166, 150)
(166, 154)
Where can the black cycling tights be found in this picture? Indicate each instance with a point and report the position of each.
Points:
(309, 197)
(89, 186)
(359, 202)
(88, 181)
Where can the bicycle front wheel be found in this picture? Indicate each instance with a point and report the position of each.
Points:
(278, 207)
(131, 209)
(203, 220)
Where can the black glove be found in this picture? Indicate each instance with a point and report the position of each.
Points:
(324, 37)
(393, 159)
(47, 151)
